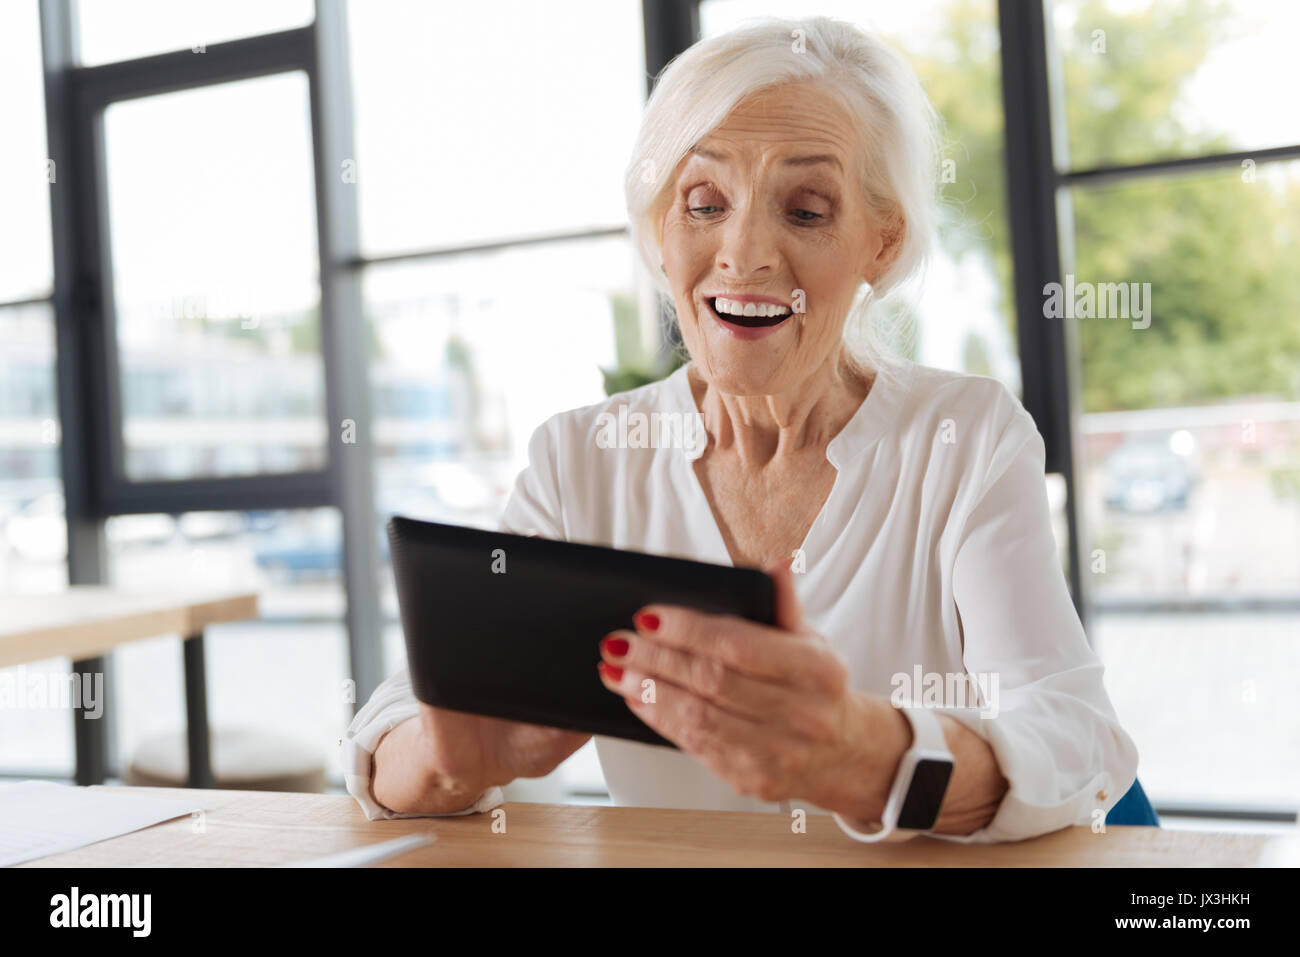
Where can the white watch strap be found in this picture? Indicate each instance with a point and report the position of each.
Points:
(927, 739)
(927, 732)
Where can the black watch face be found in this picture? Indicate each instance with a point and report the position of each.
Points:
(925, 796)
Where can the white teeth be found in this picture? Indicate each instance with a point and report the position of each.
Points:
(730, 307)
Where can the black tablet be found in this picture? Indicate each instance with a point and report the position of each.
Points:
(510, 626)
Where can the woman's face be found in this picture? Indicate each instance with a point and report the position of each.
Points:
(766, 214)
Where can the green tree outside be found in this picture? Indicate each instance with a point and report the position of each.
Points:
(1218, 249)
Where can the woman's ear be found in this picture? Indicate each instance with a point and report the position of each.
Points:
(890, 234)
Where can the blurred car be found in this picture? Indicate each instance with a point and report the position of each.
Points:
(310, 545)
(1144, 476)
(304, 546)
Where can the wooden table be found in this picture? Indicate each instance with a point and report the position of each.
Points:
(84, 622)
(263, 829)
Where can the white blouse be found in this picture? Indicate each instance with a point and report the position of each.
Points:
(931, 569)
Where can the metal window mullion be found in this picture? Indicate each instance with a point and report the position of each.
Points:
(1181, 165)
(1047, 374)
(513, 242)
(34, 301)
(237, 493)
(226, 62)
(74, 361)
(345, 343)
(670, 26)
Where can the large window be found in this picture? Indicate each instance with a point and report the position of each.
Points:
(126, 29)
(33, 546)
(1183, 297)
(25, 173)
(482, 122)
(191, 275)
(1162, 79)
(212, 232)
(499, 286)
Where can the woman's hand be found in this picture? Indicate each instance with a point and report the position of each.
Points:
(767, 709)
(443, 760)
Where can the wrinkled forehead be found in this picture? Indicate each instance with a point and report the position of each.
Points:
(793, 122)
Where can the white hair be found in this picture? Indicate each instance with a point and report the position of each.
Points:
(896, 125)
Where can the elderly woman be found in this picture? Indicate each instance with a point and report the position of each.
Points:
(782, 182)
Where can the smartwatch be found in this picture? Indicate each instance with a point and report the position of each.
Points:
(918, 789)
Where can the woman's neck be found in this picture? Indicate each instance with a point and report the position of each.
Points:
(762, 428)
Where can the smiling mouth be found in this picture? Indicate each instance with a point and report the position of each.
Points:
(763, 314)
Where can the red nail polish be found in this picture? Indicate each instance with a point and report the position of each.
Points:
(646, 620)
(611, 672)
(614, 647)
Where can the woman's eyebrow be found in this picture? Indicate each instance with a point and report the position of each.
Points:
(707, 154)
(812, 160)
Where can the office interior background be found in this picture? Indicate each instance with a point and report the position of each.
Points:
(273, 271)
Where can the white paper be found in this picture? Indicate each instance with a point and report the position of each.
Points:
(370, 854)
(38, 818)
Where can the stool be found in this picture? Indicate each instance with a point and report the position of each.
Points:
(243, 759)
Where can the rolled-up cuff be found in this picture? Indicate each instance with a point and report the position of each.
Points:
(1023, 814)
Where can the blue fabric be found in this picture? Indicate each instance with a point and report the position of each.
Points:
(1134, 809)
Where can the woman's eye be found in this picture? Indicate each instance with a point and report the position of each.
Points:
(704, 210)
(805, 215)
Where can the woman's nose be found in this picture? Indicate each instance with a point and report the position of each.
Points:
(748, 244)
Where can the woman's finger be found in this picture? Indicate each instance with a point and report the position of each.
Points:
(760, 651)
(694, 724)
(707, 677)
(788, 608)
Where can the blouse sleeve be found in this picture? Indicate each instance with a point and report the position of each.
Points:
(533, 509)
(1051, 726)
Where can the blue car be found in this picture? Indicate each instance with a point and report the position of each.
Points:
(302, 546)
(1147, 476)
